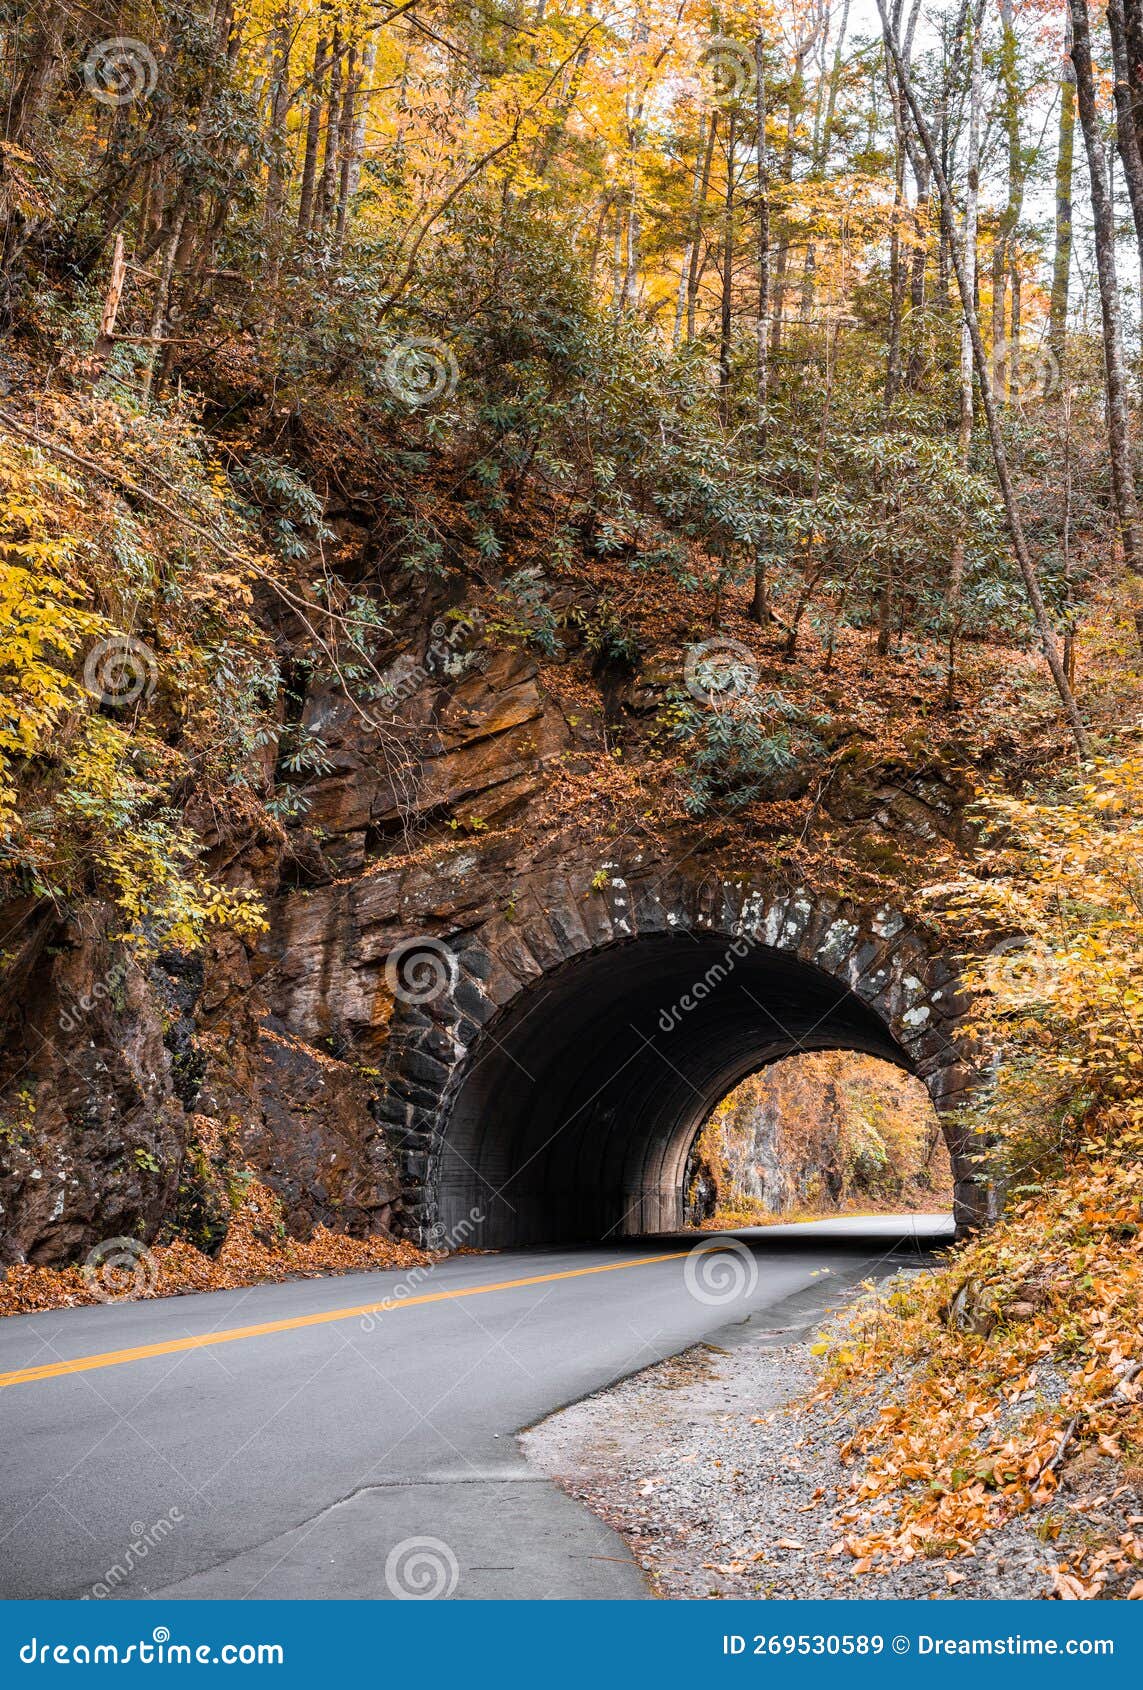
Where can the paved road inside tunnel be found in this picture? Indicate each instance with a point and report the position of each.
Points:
(297, 1440)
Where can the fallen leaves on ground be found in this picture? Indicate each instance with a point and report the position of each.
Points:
(255, 1252)
(1019, 1355)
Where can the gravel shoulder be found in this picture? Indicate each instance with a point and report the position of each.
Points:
(725, 1482)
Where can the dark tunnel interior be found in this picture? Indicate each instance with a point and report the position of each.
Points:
(576, 1111)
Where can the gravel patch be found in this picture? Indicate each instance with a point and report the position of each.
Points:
(726, 1482)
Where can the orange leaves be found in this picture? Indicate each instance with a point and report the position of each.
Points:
(253, 1253)
(981, 1429)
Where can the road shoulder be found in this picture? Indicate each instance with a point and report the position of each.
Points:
(726, 1481)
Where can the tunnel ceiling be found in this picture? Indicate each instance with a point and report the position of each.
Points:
(580, 1103)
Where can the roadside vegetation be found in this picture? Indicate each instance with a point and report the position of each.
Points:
(1045, 1309)
(602, 334)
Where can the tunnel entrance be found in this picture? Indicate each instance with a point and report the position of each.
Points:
(574, 1112)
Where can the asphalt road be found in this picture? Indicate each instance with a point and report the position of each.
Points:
(315, 1459)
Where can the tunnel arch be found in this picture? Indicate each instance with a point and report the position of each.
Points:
(576, 1114)
(553, 1089)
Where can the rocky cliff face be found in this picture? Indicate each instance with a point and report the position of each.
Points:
(135, 1095)
(133, 1090)
(820, 1132)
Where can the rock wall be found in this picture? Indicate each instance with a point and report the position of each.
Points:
(135, 1095)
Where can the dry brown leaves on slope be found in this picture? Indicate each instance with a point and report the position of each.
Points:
(1018, 1357)
(255, 1252)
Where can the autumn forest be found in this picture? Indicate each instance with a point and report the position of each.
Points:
(450, 449)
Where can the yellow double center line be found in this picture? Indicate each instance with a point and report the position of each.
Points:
(231, 1334)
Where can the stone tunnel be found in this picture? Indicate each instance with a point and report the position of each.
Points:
(547, 1069)
(576, 1114)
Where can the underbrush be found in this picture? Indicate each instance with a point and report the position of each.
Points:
(1022, 1359)
(1011, 1361)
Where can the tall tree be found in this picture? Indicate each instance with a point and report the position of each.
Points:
(1024, 560)
(1127, 117)
(974, 24)
(1062, 249)
(760, 611)
(1115, 374)
(1004, 271)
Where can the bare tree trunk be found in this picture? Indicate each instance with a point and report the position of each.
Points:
(357, 152)
(313, 134)
(815, 566)
(617, 265)
(159, 312)
(346, 129)
(1133, 42)
(631, 242)
(327, 181)
(762, 190)
(1103, 213)
(597, 243)
(974, 20)
(823, 134)
(915, 371)
(693, 221)
(795, 106)
(896, 264)
(45, 59)
(1126, 133)
(1062, 255)
(1133, 39)
(279, 145)
(696, 232)
(999, 455)
(1010, 216)
(760, 603)
(105, 340)
(1069, 607)
(783, 254)
(725, 311)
